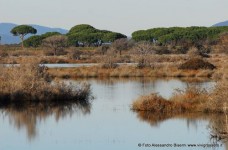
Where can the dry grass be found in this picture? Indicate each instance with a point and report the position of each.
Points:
(162, 70)
(219, 128)
(189, 100)
(157, 104)
(84, 56)
(30, 82)
(218, 123)
(222, 62)
(196, 63)
(192, 99)
(218, 102)
(222, 45)
(159, 65)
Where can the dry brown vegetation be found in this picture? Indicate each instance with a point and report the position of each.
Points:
(157, 104)
(221, 62)
(219, 128)
(196, 63)
(158, 70)
(30, 82)
(192, 99)
(222, 46)
(56, 43)
(158, 66)
(188, 100)
(143, 54)
(218, 102)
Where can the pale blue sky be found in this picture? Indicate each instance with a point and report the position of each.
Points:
(123, 16)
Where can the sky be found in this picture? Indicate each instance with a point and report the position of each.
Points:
(125, 16)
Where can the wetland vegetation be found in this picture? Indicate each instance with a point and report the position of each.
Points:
(31, 82)
(123, 70)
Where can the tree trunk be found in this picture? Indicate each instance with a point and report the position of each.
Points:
(22, 41)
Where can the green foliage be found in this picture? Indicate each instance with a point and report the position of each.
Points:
(80, 28)
(36, 40)
(48, 34)
(85, 39)
(178, 35)
(141, 35)
(112, 36)
(23, 30)
(87, 35)
(33, 41)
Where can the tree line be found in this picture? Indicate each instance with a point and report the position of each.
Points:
(180, 35)
(87, 35)
(79, 35)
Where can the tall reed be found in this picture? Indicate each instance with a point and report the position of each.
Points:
(31, 82)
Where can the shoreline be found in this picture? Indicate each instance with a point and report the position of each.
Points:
(126, 71)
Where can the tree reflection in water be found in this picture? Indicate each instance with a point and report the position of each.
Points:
(28, 115)
(218, 123)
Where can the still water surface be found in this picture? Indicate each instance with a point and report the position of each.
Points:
(108, 123)
(67, 65)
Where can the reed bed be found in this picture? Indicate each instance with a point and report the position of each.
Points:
(31, 82)
(161, 70)
(191, 99)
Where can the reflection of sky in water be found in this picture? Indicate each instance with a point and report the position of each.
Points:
(111, 124)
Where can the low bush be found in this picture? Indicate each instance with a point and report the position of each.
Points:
(154, 103)
(48, 53)
(192, 99)
(75, 54)
(218, 101)
(3, 53)
(195, 64)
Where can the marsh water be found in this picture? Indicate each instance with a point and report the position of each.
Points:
(67, 65)
(108, 122)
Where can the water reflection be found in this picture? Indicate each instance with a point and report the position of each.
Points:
(110, 122)
(143, 80)
(28, 115)
(218, 123)
(155, 119)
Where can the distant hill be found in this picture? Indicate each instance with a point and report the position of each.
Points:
(225, 23)
(8, 38)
